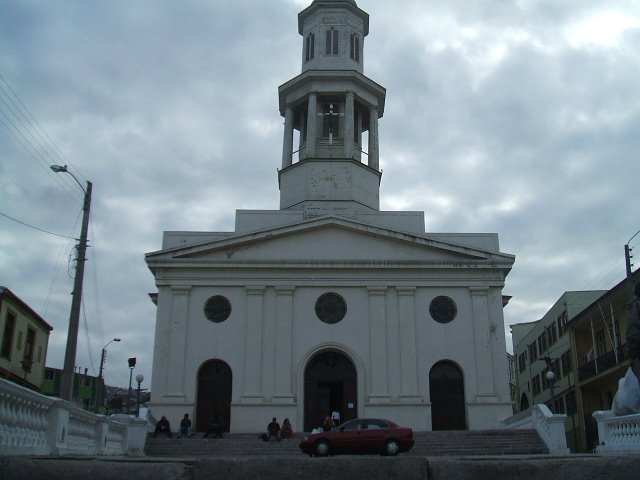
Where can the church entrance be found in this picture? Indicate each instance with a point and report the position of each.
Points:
(214, 394)
(446, 387)
(330, 384)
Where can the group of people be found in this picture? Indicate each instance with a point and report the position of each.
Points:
(274, 430)
(215, 428)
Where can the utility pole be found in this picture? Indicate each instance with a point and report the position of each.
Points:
(633, 316)
(66, 389)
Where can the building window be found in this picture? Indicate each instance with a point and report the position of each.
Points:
(522, 361)
(331, 47)
(7, 335)
(533, 352)
(355, 47)
(562, 323)
(49, 374)
(443, 309)
(310, 47)
(217, 309)
(28, 344)
(536, 385)
(552, 336)
(330, 307)
(542, 344)
(565, 359)
(570, 400)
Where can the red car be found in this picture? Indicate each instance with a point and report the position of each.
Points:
(362, 435)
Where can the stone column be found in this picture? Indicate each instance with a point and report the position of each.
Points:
(408, 355)
(284, 344)
(482, 339)
(253, 345)
(287, 143)
(177, 341)
(378, 345)
(348, 125)
(374, 161)
(312, 130)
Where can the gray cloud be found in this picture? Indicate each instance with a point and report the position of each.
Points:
(500, 117)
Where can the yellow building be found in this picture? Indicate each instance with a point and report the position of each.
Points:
(23, 342)
(598, 342)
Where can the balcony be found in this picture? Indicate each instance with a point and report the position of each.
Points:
(601, 364)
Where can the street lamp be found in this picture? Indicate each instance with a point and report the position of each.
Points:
(104, 353)
(66, 389)
(139, 379)
(551, 377)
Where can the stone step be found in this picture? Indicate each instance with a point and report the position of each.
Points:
(454, 443)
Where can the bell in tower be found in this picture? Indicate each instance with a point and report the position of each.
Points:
(330, 110)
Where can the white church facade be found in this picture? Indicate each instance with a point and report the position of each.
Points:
(329, 304)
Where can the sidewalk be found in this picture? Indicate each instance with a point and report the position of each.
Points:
(538, 467)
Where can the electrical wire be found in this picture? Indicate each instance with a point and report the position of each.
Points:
(36, 228)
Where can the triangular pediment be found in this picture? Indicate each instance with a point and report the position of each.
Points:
(329, 239)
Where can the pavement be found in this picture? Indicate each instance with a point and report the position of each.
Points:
(402, 467)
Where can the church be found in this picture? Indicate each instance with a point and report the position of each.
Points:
(330, 304)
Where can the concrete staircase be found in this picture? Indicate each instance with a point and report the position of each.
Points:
(454, 443)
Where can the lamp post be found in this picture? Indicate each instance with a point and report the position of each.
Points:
(66, 389)
(139, 379)
(551, 377)
(132, 365)
(104, 354)
(100, 398)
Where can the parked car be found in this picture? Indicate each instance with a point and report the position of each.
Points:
(362, 435)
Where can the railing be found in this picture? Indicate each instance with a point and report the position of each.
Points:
(602, 363)
(617, 434)
(550, 427)
(33, 424)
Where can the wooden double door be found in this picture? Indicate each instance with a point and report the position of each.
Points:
(214, 394)
(330, 384)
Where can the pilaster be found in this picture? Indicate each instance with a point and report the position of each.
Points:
(283, 344)
(408, 356)
(482, 341)
(349, 123)
(253, 345)
(179, 314)
(378, 345)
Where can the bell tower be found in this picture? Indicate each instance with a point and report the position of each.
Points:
(331, 112)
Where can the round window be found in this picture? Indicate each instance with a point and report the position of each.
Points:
(331, 307)
(217, 309)
(443, 309)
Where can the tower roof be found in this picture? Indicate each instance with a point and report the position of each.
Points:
(352, 2)
(316, 4)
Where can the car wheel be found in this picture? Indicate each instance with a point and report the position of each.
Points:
(322, 448)
(392, 447)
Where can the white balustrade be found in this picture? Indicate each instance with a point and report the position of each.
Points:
(34, 424)
(550, 427)
(617, 434)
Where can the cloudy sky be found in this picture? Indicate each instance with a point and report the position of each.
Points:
(520, 117)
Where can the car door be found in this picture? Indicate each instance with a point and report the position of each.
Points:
(377, 433)
(348, 438)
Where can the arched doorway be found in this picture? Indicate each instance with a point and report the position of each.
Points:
(446, 387)
(214, 394)
(524, 402)
(330, 384)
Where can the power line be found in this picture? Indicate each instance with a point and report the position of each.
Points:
(36, 228)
